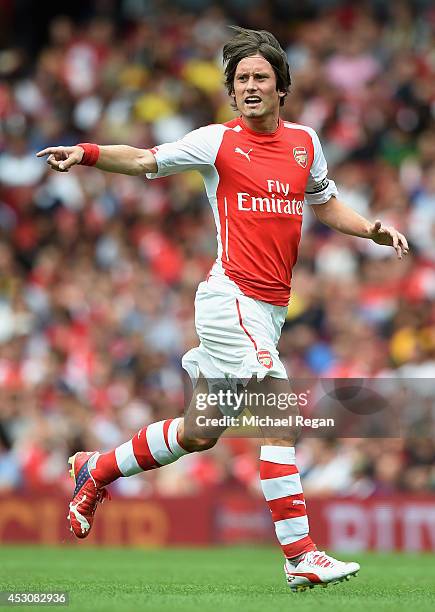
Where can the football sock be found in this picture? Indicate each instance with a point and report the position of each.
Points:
(281, 485)
(153, 446)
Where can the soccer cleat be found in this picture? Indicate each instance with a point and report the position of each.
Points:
(317, 569)
(86, 493)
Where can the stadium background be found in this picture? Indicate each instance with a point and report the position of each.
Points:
(98, 272)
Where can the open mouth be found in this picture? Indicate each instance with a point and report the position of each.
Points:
(252, 101)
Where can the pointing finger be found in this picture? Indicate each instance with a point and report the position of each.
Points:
(43, 152)
(47, 151)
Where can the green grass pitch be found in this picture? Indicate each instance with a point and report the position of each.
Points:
(221, 579)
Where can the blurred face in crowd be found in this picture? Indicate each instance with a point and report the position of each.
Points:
(255, 92)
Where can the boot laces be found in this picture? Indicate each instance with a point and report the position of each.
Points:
(319, 557)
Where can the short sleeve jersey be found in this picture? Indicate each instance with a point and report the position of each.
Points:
(257, 185)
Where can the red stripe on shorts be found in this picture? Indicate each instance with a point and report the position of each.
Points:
(243, 327)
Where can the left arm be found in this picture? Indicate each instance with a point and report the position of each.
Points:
(345, 220)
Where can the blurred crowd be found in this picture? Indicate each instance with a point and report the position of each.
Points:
(98, 271)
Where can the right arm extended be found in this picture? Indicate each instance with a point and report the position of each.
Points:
(112, 158)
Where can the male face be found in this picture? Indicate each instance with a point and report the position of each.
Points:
(255, 88)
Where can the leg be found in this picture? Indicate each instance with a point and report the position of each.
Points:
(280, 480)
(151, 447)
(305, 566)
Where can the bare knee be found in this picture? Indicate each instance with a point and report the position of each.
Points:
(193, 442)
(199, 444)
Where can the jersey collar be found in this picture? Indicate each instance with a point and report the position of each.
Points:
(262, 135)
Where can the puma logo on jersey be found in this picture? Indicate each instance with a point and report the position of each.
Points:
(238, 150)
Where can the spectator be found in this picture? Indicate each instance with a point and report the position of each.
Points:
(98, 272)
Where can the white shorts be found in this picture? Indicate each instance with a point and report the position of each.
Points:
(238, 337)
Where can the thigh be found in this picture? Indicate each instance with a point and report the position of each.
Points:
(238, 336)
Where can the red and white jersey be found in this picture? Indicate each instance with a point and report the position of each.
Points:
(257, 184)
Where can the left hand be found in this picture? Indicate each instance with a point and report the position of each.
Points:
(389, 236)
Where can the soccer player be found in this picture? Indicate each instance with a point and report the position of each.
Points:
(259, 172)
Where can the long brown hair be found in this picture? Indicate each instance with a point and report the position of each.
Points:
(246, 43)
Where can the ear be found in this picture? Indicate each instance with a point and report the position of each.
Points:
(281, 94)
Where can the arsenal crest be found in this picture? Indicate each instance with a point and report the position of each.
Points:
(301, 156)
(265, 358)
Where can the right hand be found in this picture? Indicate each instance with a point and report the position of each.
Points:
(62, 158)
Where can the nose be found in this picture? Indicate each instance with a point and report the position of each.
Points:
(251, 85)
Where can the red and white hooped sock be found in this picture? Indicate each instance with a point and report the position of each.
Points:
(282, 489)
(153, 446)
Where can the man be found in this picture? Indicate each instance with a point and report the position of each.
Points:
(258, 172)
